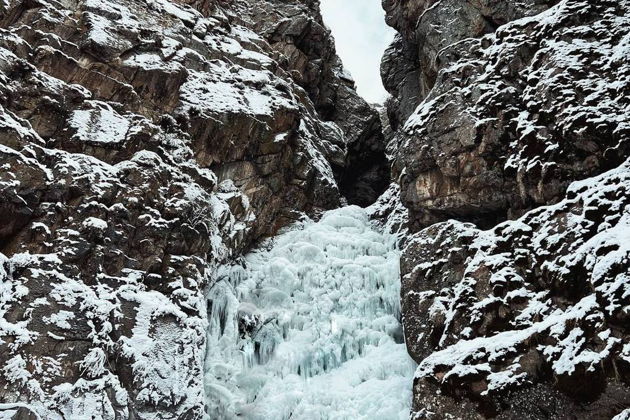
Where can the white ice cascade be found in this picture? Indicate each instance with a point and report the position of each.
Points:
(308, 327)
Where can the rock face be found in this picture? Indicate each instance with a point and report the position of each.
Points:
(537, 306)
(141, 144)
(295, 30)
(515, 116)
(425, 29)
(502, 111)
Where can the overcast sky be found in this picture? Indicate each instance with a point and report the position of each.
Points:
(361, 36)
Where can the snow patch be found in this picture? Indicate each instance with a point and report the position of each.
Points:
(99, 125)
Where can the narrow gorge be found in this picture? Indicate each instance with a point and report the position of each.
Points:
(201, 218)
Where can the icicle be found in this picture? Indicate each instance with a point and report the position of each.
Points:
(310, 328)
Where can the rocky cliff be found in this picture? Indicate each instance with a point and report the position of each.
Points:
(142, 143)
(295, 30)
(514, 117)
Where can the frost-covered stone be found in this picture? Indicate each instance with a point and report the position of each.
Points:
(426, 29)
(295, 29)
(515, 116)
(542, 301)
(142, 144)
(498, 108)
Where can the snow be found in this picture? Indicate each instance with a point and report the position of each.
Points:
(161, 332)
(94, 363)
(100, 32)
(121, 14)
(26, 161)
(624, 415)
(319, 335)
(184, 13)
(99, 125)
(315, 156)
(15, 370)
(60, 319)
(10, 122)
(151, 61)
(234, 89)
(390, 213)
(95, 223)
(8, 410)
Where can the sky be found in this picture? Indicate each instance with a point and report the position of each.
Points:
(361, 37)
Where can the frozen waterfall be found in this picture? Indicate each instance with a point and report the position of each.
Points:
(307, 327)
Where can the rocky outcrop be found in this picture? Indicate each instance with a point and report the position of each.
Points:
(537, 306)
(295, 30)
(517, 115)
(498, 109)
(426, 28)
(141, 144)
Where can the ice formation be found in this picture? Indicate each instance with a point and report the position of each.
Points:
(308, 327)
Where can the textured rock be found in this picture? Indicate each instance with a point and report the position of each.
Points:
(142, 143)
(517, 115)
(296, 31)
(145, 142)
(536, 306)
(504, 110)
(425, 28)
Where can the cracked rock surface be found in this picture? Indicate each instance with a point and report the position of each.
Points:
(515, 116)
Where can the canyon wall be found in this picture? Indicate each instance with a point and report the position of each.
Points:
(514, 117)
(142, 143)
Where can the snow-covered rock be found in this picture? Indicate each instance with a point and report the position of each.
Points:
(296, 31)
(501, 110)
(142, 144)
(517, 115)
(539, 304)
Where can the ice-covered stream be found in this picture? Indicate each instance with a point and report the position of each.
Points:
(307, 327)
